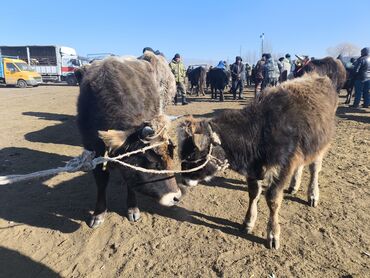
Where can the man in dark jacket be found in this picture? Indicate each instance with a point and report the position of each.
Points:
(258, 75)
(361, 72)
(237, 77)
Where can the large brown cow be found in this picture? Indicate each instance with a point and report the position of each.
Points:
(333, 68)
(287, 127)
(120, 110)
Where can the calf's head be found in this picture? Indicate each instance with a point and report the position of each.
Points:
(161, 187)
(197, 143)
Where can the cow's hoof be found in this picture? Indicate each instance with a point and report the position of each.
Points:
(292, 190)
(96, 220)
(273, 242)
(247, 228)
(312, 202)
(133, 214)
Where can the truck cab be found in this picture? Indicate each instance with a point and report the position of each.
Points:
(17, 72)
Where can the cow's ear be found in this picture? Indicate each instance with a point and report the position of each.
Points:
(201, 141)
(114, 139)
(79, 73)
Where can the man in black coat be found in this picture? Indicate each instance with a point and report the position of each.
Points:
(237, 76)
(361, 72)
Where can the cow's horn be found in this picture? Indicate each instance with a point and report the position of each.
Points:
(174, 118)
(147, 131)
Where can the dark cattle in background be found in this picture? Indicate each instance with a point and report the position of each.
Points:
(333, 68)
(119, 110)
(218, 79)
(287, 127)
(348, 85)
(197, 79)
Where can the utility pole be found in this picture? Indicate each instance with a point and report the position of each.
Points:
(262, 36)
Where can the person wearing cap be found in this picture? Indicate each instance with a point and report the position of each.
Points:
(157, 52)
(361, 72)
(178, 70)
(237, 77)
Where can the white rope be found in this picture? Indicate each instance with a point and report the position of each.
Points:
(87, 162)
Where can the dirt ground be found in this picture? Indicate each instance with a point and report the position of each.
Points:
(43, 231)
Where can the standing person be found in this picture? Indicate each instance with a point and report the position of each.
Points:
(248, 74)
(287, 56)
(258, 75)
(271, 72)
(178, 70)
(285, 68)
(253, 76)
(361, 72)
(221, 65)
(237, 77)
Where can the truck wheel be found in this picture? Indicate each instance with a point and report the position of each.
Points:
(71, 81)
(21, 83)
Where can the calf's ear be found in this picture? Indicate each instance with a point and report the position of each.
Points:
(114, 139)
(201, 141)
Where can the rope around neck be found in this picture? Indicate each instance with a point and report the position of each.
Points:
(86, 162)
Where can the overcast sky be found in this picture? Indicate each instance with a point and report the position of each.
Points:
(201, 31)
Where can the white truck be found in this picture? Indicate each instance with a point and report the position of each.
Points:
(53, 63)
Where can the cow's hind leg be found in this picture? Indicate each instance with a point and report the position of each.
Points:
(221, 95)
(274, 196)
(296, 180)
(313, 188)
(349, 95)
(254, 190)
(101, 179)
(133, 212)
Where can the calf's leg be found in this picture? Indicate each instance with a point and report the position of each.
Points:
(296, 180)
(274, 197)
(254, 190)
(133, 212)
(313, 188)
(101, 179)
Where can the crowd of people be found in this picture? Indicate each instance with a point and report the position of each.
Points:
(270, 72)
(359, 77)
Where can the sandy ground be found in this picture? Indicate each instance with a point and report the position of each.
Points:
(43, 231)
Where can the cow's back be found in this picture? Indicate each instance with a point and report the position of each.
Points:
(218, 78)
(299, 114)
(116, 93)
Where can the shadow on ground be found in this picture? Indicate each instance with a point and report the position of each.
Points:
(65, 132)
(14, 264)
(361, 115)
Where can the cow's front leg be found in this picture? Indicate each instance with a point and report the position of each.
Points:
(101, 179)
(274, 197)
(133, 212)
(254, 190)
